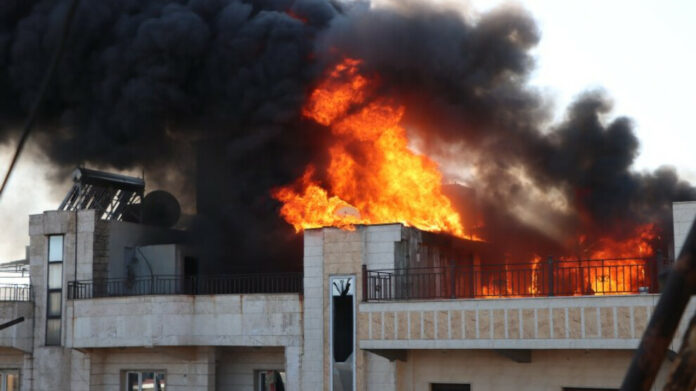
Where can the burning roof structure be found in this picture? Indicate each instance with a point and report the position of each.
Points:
(305, 113)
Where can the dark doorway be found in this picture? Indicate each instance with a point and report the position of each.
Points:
(190, 282)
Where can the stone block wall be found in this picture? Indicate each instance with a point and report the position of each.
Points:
(596, 322)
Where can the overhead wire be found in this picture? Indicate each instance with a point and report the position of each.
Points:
(48, 77)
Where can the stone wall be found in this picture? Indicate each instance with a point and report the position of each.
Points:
(549, 370)
(184, 320)
(334, 252)
(19, 336)
(594, 322)
(237, 366)
(186, 368)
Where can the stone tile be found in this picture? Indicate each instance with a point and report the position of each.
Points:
(499, 324)
(389, 325)
(402, 326)
(442, 325)
(528, 323)
(484, 324)
(456, 324)
(376, 326)
(470, 324)
(575, 323)
(543, 325)
(623, 321)
(559, 327)
(415, 319)
(428, 325)
(606, 322)
(513, 324)
(640, 321)
(591, 327)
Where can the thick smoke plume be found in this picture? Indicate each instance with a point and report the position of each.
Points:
(219, 85)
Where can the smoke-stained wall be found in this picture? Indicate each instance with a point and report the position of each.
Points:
(142, 81)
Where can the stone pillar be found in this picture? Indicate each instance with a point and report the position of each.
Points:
(312, 370)
(293, 355)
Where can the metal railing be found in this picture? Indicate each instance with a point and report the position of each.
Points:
(544, 278)
(15, 292)
(181, 285)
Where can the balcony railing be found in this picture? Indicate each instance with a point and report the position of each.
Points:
(180, 285)
(543, 278)
(15, 292)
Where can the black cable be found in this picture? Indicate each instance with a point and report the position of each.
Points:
(48, 76)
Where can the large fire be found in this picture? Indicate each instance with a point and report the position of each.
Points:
(607, 266)
(373, 176)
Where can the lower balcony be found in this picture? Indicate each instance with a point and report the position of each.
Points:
(186, 285)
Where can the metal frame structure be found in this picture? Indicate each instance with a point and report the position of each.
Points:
(113, 196)
(543, 278)
(186, 285)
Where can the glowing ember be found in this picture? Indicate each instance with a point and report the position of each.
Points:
(373, 177)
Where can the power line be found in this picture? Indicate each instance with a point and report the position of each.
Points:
(48, 76)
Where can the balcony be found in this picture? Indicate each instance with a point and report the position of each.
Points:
(17, 310)
(181, 285)
(15, 292)
(588, 277)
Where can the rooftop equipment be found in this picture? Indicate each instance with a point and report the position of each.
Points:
(113, 196)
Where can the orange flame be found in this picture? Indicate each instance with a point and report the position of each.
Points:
(373, 177)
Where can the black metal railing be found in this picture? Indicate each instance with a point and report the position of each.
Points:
(180, 285)
(543, 278)
(15, 292)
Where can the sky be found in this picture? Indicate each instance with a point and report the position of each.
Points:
(640, 52)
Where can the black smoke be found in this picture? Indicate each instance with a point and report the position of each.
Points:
(213, 89)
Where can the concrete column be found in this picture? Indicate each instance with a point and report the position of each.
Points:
(293, 355)
(312, 369)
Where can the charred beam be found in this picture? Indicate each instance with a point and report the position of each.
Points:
(11, 323)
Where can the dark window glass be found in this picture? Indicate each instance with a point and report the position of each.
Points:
(132, 383)
(449, 387)
(54, 303)
(53, 332)
(588, 389)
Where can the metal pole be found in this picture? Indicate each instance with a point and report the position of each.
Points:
(665, 319)
(452, 281)
(550, 278)
(364, 282)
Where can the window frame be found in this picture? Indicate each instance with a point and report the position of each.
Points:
(3, 378)
(140, 372)
(56, 316)
(261, 372)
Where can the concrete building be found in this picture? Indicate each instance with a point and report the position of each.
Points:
(116, 305)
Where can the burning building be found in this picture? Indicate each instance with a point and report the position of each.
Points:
(379, 200)
(115, 303)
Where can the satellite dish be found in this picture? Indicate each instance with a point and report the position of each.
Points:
(161, 209)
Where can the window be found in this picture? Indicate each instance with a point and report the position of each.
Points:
(270, 381)
(449, 387)
(54, 296)
(342, 333)
(145, 381)
(588, 389)
(9, 380)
